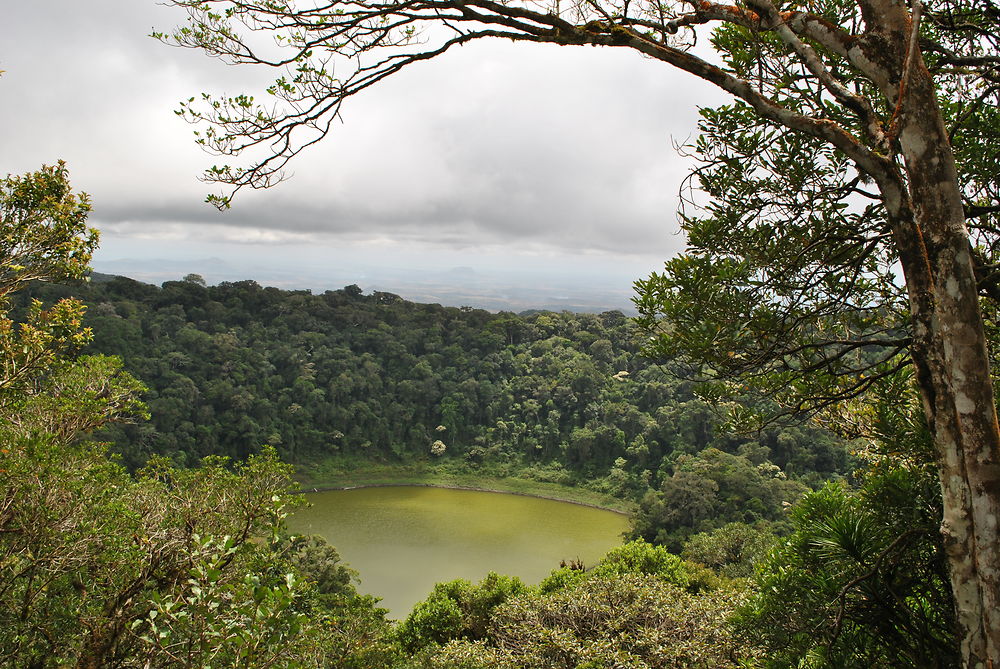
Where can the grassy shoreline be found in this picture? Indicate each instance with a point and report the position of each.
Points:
(347, 475)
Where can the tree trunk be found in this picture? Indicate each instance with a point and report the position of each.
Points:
(953, 368)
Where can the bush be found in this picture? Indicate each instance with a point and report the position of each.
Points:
(457, 609)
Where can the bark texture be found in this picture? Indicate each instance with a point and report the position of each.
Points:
(949, 341)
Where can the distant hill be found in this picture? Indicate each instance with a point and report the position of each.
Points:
(461, 286)
(99, 277)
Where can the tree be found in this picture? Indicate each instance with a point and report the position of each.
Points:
(639, 607)
(838, 115)
(43, 224)
(709, 490)
(734, 550)
(99, 568)
(43, 237)
(457, 610)
(863, 579)
(625, 620)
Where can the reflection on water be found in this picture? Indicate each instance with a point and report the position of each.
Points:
(404, 539)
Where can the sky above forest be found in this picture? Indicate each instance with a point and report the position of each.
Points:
(496, 156)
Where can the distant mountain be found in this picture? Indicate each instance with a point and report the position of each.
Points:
(461, 286)
(98, 277)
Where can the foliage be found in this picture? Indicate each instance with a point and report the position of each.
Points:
(43, 228)
(320, 564)
(254, 632)
(815, 271)
(734, 550)
(863, 579)
(802, 300)
(635, 609)
(641, 558)
(638, 557)
(708, 490)
(357, 634)
(77, 399)
(561, 579)
(364, 377)
(188, 567)
(457, 610)
(624, 621)
(835, 245)
(99, 567)
(43, 237)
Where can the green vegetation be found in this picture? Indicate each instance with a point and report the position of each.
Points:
(209, 577)
(842, 220)
(149, 562)
(637, 609)
(457, 610)
(561, 405)
(841, 261)
(831, 254)
(167, 567)
(863, 579)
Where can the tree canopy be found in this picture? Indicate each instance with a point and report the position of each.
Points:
(861, 146)
(189, 566)
(341, 379)
(167, 567)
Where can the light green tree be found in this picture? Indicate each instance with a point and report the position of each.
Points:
(457, 610)
(99, 567)
(626, 620)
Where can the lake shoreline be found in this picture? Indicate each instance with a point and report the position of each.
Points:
(345, 473)
(404, 539)
(327, 488)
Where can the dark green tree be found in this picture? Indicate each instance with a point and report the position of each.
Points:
(862, 581)
(711, 489)
(840, 165)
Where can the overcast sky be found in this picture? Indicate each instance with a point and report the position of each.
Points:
(495, 155)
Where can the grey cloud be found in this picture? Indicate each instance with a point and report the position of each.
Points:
(493, 144)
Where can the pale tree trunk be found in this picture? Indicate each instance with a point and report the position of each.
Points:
(953, 373)
(951, 358)
(954, 377)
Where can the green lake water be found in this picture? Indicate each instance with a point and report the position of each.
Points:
(404, 539)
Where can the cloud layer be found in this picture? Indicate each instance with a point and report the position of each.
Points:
(495, 145)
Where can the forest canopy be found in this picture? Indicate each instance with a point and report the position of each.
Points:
(862, 138)
(178, 566)
(558, 397)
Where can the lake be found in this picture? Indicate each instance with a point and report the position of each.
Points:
(404, 539)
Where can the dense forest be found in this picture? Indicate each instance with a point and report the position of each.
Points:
(166, 547)
(559, 397)
(803, 416)
(841, 219)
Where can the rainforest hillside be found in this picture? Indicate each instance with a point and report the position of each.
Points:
(558, 397)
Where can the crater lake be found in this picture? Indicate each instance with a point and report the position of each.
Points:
(404, 539)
